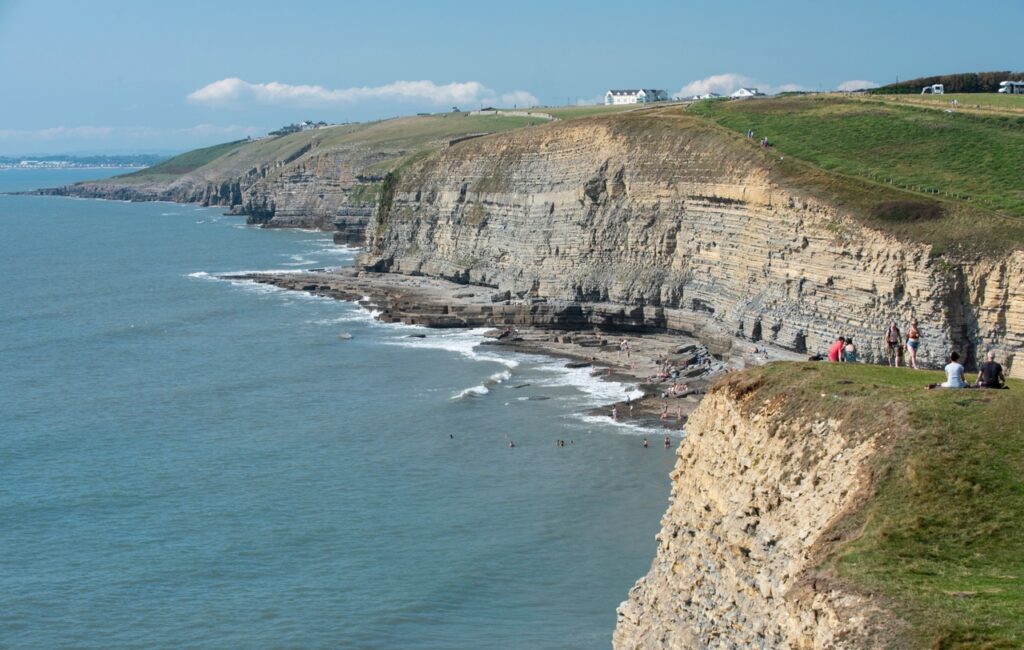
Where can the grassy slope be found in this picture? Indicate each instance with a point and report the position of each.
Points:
(942, 539)
(877, 152)
(399, 137)
(186, 162)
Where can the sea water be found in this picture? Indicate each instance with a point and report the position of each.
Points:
(188, 461)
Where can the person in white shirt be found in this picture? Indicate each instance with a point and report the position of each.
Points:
(954, 374)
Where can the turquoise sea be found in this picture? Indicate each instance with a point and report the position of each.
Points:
(186, 461)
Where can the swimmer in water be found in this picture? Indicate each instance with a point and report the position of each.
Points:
(511, 444)
(645, 443)
(668, 442)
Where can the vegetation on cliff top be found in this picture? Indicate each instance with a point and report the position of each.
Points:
(186, 162)
(965, 82)
(941, 538)
(957, 175)
(388, 142)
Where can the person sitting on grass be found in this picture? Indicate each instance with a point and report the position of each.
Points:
(835, 352)
(954, 374)
(850, 351)
(990, 373)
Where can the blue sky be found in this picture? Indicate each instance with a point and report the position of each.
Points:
(105, 76)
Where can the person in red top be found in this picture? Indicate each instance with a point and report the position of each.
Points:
(835, 353)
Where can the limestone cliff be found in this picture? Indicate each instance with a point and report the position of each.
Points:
(756, 498)
(297, 185)
(691, 225)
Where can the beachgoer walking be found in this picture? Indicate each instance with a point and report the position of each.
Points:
(990, 373)
(850, 351)
(615, 412)
(892, 344)
(913, 342)
(835, 352)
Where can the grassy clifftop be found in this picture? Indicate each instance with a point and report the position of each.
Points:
(389, 140)
(915, 170)
(941, 536)
(947, 178)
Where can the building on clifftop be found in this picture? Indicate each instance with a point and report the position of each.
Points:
(640, 96)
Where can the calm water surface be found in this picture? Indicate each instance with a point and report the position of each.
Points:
(187, 461)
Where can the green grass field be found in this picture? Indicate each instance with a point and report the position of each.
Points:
(969, 165)
(943, 537)
(393, 140)
(989, 102)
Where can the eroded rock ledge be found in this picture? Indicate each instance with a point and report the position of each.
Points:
(439, 303)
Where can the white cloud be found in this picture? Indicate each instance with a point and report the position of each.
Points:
(237, 92)
(722, 84)
(519, 98)
(729, 82)
(784, 88)
(856, 84)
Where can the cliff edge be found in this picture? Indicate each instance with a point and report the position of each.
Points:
(707, 233)
(839, 506)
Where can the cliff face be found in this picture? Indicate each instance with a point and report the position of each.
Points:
(755, 498)
(300, 187)
(691, 226)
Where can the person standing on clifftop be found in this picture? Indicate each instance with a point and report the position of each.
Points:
(913, 342)
(892, 344)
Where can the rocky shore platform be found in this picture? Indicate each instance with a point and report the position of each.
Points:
(586, 334)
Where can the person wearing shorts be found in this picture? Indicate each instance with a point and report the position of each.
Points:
(893, 343)
(913, 342)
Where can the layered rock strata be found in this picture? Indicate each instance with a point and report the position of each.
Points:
(754, 501)
(303, 188)
(694, 228)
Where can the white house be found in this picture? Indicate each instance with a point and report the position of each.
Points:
(705, 96)
(743, 93)
(640, 96)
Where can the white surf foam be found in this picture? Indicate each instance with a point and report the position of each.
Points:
(599, 391)
(462, 342)
(627, 427)
(472, 391)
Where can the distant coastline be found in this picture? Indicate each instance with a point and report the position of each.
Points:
(81, 161)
